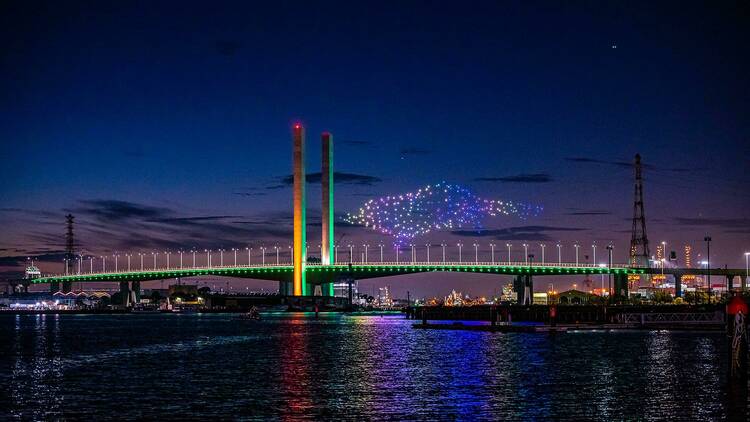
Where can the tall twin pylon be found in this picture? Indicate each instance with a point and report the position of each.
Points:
(299, 282)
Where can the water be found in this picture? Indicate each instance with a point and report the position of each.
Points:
(347, 367)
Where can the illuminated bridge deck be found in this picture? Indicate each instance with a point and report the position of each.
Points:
(317, 273)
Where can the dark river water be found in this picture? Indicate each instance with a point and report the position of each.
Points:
(348, 368)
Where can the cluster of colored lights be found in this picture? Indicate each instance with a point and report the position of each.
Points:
(442, 206)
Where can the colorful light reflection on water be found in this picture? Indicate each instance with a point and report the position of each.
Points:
(348, 367)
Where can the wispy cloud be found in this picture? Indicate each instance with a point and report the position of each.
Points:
(627, 164)
(516, 233)
(589, 212)
(141, 226)
(250, 193)
(415, 151)
(109, 209)
(355, 142)
(46, 256)
(742, 224)
(518, 178)
(338, 177)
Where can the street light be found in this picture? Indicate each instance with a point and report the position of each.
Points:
(248, 249)
(381, 251)
(208, 257)
(576, 245)
(128, 255)
(707, 239)
(602, 277)
(413, 254)
(610, 248)
(277, 254)
(397, 251)
(235, 256)
(351, 253)
(526, 252)
(366, 246)
(428, 252)
(104, 263)
(542, 245)
(492, 252)
(263, 254)
(508, 245)
(559, 254)
(141, 255)
(180, 258)
(747, 267)
(167, 253)
(91, 264)
(154, 254)
(443, 245)
(116, 256)
(221, 257)
(593, 246)
(460, 256)
(193, 257)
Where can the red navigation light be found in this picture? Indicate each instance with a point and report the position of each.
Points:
(297, 125)
(736, 305)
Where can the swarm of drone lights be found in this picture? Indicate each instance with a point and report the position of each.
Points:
(434, 207)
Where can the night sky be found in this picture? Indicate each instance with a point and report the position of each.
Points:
(166, 125)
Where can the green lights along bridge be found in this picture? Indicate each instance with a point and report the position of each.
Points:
(326, 275)
(320, 274)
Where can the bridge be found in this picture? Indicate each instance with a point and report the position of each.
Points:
(300, 277)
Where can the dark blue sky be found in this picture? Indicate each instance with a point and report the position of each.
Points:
(166, 124)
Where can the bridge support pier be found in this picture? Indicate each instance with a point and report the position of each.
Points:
(621, 286)
(285, 288)
(523, 285)
(136, 289)
(677, 285)
(124, 293)
(54, 287)
(67, 286)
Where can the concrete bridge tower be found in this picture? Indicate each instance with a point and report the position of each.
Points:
(326, 178)
(299, 285)
(69, 253)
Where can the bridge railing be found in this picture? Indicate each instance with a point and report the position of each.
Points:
(481, 263)
(171, 268)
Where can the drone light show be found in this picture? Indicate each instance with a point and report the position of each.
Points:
(442, 206)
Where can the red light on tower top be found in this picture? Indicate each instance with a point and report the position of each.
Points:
(297, 126)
